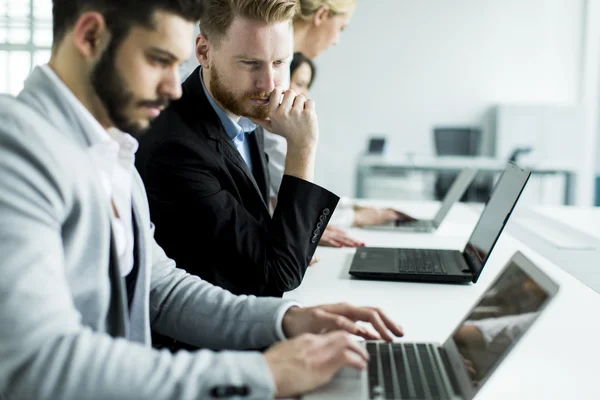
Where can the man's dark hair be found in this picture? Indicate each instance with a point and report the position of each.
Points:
(120, 15)
(300, 59)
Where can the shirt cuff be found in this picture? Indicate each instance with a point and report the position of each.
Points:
(279, 318)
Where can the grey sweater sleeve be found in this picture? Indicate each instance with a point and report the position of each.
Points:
(189, 309)
(46, 352)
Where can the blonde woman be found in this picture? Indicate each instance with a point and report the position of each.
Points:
(319, 24)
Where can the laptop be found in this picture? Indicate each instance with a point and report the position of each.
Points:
(458, 368)
(456, 191)
(427, 265)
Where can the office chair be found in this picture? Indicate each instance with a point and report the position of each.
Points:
(458, 141)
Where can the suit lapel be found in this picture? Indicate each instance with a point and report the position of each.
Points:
(259, 162)
(43, 95)
(195, 103)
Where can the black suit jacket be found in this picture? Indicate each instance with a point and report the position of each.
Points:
(211, 213)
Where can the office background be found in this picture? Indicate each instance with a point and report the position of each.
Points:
(404, 67)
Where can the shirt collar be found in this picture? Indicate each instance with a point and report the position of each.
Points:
(232, 128)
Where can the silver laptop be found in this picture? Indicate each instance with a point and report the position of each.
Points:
(458, 368)
(456, 191)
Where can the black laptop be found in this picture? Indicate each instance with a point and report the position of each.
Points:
(427, 265)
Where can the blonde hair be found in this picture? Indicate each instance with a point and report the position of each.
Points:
(308, 8)
(218, 15)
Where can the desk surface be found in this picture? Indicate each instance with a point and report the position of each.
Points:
(457, 162)
(584, 219)
(553, 361)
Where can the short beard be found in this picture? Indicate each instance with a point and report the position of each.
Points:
(229, 102)
(113, 92)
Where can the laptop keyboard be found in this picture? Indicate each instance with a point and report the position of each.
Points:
(418, 225)
(404, 371)
(421, 262)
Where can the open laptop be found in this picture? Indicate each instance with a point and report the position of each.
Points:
(427, 265)
(456, 191)
(458, 368)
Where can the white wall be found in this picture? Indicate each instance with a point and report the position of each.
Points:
(404, 66)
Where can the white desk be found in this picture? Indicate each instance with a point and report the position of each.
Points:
(567, 236)
(584, 219)
(555, 360)
(370, 166)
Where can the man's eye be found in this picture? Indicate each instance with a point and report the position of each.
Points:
(161, 61)
(250, 63)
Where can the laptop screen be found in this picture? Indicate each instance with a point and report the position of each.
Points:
(502, 315)
(458, 188)
(494, 217)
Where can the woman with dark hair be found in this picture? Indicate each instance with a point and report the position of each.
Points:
(302, 73)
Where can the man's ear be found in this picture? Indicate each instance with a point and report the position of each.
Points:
(321, 15)
(203, 50)
(91, 35)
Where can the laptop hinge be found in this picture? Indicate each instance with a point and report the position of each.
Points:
(473, 264)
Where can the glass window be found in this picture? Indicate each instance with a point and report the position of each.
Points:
(19, 64)
(25, 40)
(42, 36)
(41, 57)
(3, 71)
(42, 10)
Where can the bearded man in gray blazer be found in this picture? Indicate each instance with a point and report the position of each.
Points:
(82, 278)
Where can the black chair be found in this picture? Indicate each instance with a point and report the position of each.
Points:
(458, 141)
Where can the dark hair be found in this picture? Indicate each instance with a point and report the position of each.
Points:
(120, 15)
(300, 59)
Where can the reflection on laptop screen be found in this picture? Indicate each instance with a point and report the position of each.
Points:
(501, 317)
(494, 216)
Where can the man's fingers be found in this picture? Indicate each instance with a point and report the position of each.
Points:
(299, 102)
(375, 319)
(343, 341)
(309, 105)
(396, 330)
(289, 96)
(368, 334)
(381, 322)
(353, 360)
(275, 99)
(335, 322)
(314, 260)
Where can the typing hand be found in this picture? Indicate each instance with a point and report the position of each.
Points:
(332, 317)
(308, 361)
(369, 216)
(335, 237)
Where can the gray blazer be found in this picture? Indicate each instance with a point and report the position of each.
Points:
(63, 307)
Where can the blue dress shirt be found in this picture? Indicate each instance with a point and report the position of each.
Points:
(235, 130)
